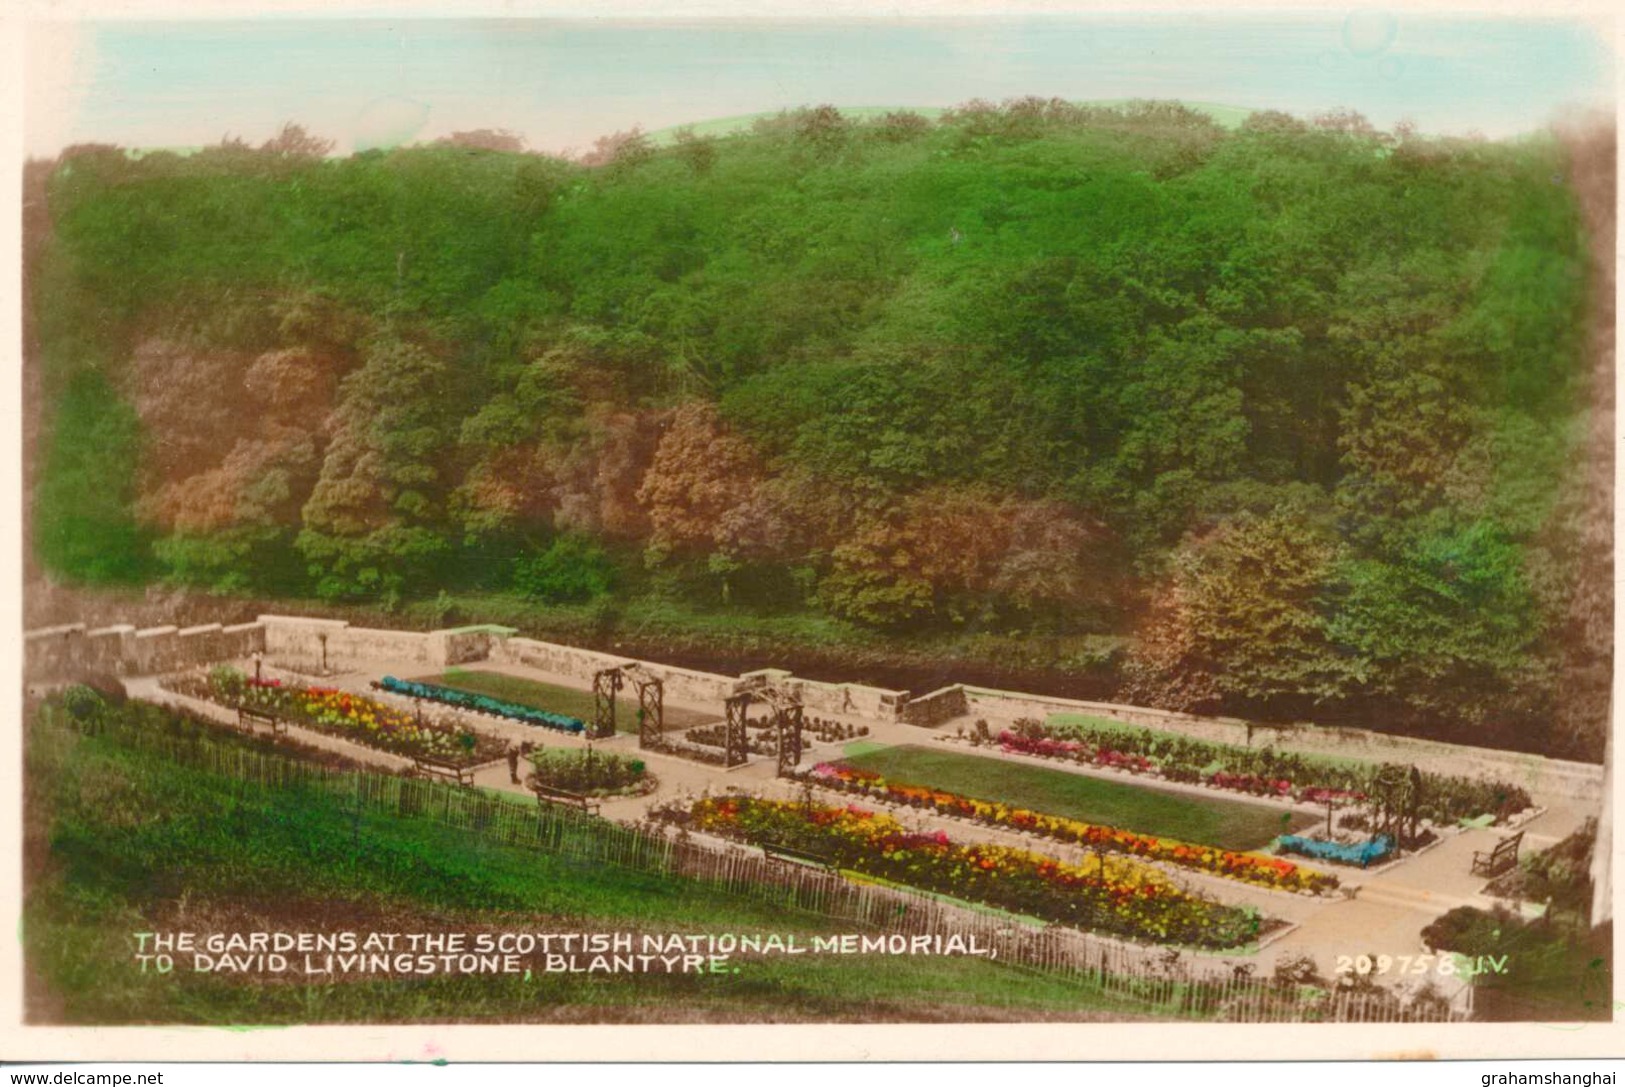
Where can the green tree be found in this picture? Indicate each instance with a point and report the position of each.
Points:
(370, 522)
(1447, 626)
(1243, 624)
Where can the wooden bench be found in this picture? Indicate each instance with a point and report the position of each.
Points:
(786, 855)
(1499, 859)
(247, 719)
(545, 796)
(444, 770)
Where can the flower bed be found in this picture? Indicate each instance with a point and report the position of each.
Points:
(591, 773)
(350, 716)
(1362, 853)
(1116, 894)
(761, 738)
(710, 756)
(1253, 868)
(479, 703)
(1258, 772)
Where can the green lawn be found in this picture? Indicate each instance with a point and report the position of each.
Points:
(1225, 823)
(555, 699)
(120, 839)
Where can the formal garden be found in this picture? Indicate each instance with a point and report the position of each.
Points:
(1271, 872)
(762, 738)
(1139, 805)
(1111, 893)
(1262, 771)
(481, 703)
(591, 773)
(551, 698)
(342, 714)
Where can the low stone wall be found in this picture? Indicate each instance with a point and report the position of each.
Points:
(464, 644)
(62, 652)
(681, 684)
(296, 639)
(57, 653)
(1540, 775)
(1009, 705)
(929, 711)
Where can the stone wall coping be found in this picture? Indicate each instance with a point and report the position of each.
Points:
(1299, 735)
(385, 631)
(1296, 732)
(941, 692)
(51, 632)
(335, 624)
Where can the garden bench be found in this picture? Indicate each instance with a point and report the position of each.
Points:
(247, 719)
(795, 856)
(1499, 859)
(443, 769)
(546, 795)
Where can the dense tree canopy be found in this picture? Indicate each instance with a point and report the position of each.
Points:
(1298, 403)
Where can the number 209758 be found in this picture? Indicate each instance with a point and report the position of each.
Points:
(1445, 964)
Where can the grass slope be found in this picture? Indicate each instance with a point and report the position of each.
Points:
(122, 841)
(1223, 823)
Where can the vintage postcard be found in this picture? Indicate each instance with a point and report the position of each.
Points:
(1008, 530)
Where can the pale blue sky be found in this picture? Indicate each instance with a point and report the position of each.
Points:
(562, 83)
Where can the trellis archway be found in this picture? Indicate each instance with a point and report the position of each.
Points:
(735, 745)
(1396, 796)
(787, 720)
(786, 710)
(608, 682)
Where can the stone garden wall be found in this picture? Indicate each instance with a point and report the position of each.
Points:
(929, 711)
(1542, 776)
(59, 653)
(56, 653)
(572, 662)
(299, 641)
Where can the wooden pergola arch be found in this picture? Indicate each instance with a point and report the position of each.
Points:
(786, 708)
(1396, 794)
(607, 682)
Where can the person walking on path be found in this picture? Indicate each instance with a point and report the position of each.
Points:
(513, 762)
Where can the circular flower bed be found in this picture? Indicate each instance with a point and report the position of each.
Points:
(591, 773)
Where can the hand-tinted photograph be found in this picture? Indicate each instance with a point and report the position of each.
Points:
(1002, 519)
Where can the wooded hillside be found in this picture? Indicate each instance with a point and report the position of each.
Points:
(1300, 408)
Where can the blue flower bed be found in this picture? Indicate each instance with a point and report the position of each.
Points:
(480, 703)
(1362, 854)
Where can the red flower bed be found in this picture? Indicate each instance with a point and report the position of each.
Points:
(1114, 894)
(1255, 868)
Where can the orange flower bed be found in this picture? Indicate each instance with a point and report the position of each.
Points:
(1113, 894)
(1265, 871)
